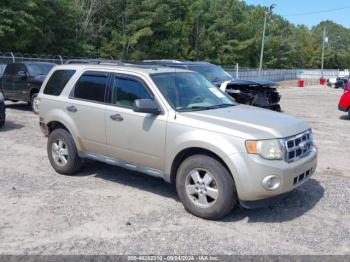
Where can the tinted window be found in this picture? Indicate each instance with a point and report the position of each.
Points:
(13, 69)
(58, 81)
(9, 69)
(39, 69)
(126, 91)
(91, 86)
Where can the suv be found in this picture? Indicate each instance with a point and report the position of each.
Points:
(22, 81)
(2, 110)
(260, 93)
(177, 126)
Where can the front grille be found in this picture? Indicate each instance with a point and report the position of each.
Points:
(301, 177)
(298, 146)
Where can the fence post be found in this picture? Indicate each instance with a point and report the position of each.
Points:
(60, 57)
(237, 71)
(13, 57)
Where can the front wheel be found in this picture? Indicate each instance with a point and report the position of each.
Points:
(205, 187)
(34, 103)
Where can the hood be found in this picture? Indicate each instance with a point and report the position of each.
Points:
(39, 79)
(245, 122)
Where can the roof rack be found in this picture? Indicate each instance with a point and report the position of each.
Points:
(94, 61)
(160, 61)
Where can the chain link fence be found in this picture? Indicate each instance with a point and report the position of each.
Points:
(309, 75)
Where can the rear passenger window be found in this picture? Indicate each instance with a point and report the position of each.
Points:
(91, 86)
(58, 81)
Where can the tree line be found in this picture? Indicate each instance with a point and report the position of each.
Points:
(221, 31)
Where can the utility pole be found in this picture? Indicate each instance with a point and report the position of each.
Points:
(323, 44)
(263, 36)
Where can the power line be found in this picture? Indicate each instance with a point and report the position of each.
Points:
(318, 12)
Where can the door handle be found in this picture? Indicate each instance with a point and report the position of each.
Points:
(117, 117)
(72, 109)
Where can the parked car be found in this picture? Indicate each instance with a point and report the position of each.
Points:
(344, 103)
(2, 110)
(2, 69)
(22, 81)
(176, 126)
(260, 93)
(338, 82)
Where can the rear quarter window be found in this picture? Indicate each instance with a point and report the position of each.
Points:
(57, 82)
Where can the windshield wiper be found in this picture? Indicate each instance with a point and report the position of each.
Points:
(195, 108)
(220, 106)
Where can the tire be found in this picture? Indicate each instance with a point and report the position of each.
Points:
(63, 155)
(349, 113)
(222, 182)
(33, 103)
(2, 113)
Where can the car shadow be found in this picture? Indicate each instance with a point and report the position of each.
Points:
(19, 106)
(128, 178)
(9, 125)
(293, 205)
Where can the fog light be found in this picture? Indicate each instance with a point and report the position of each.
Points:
(271, 182)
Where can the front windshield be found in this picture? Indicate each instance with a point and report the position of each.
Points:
(213, 73)
(39, 69)
(189, 91)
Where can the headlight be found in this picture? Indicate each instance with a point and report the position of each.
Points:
(269, 149)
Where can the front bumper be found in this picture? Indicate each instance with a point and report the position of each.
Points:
(249, 171)
(43, 127)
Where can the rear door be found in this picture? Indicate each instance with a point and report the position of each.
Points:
(131, 136)
(86, 106)
(7, 81)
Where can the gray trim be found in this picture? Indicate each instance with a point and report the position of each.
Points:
(127, 165)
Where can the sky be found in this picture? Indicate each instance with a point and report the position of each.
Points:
(289, 8)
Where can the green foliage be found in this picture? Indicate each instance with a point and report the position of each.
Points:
(221, 31)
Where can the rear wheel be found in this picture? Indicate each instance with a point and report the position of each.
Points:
(62, 152)
(34, 103)
(2, 113)
(205, 187)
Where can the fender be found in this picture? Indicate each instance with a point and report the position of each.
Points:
(218, 144)
(58, 115)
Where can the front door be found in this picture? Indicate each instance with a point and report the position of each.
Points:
(131, 136)
(21, 86)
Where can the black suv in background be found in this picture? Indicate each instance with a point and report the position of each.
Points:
(260, 93)
(22, 81)
(2, 110)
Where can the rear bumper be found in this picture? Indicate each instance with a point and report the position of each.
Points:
(44, 128)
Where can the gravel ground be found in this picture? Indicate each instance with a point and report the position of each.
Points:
(108, 210)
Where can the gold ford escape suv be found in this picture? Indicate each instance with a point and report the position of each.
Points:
(174, 124)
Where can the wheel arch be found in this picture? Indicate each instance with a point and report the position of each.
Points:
(186, 153)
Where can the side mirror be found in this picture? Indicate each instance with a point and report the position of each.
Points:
(146, 106)
(22, 74)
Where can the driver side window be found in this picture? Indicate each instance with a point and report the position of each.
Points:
(127, 90)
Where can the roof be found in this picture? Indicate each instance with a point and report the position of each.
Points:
(143, 69)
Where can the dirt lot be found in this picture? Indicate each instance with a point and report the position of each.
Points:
(107, 210)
